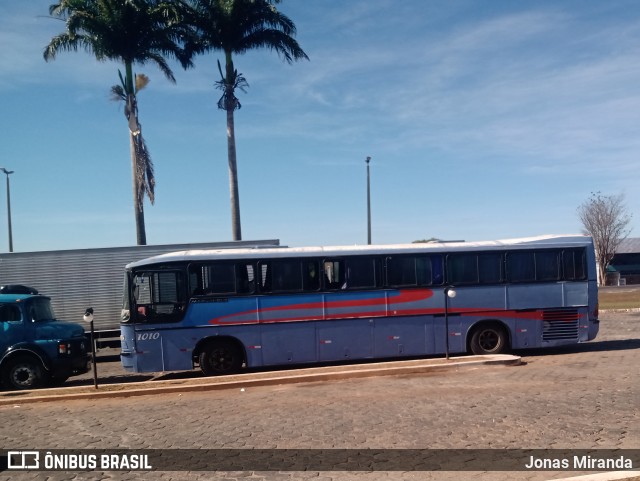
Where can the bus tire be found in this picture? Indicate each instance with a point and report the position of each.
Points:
(489, 338)
(23, 372)
(221, 357)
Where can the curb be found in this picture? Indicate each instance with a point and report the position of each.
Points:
(242, 381)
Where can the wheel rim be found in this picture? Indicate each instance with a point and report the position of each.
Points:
(23, 376)
(489, 340)
(222, 359)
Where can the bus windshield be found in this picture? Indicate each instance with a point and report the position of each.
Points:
(157, 296)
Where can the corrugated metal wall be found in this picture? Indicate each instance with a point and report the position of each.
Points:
(77, 279)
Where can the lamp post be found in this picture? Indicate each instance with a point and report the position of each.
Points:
(88, 317)
(7, 173)
(449, 292)
(368, 202)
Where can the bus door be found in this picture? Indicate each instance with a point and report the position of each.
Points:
(158, 304)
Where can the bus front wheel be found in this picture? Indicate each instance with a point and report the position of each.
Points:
(489, 339)
(221, 357)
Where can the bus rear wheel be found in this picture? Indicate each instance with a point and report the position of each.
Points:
(488, 339)
(221, 357)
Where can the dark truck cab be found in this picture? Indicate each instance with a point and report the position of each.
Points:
(36, 349)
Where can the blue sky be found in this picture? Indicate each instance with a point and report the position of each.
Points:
(484, 120)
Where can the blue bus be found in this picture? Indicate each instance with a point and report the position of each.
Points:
(225, 310)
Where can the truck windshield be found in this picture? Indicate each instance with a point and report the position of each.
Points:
(41, 310)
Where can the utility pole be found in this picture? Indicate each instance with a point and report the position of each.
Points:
(368, 202)
(7, 173)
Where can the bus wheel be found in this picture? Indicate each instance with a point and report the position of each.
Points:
(488, 339)
(23, 372)
(221, 357)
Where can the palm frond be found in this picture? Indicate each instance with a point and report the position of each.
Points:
(238, 26)
(132, 31)
(118, 93)
(141, 81)
(228, 85)
(145, 179)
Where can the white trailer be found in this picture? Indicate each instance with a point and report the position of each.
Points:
(81, 278)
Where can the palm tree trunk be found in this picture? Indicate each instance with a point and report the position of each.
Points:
(233, 177)
(138, 201)
(231, 149)
(138, 207)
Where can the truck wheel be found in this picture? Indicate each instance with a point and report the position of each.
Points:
(221, 357)
(488, 339)
(23, 372)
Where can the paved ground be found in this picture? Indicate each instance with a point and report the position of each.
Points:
(584, 396)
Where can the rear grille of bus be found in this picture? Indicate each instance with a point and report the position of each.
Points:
(560, 324)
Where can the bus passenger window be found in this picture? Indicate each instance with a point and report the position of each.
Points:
(462, 268)
(311, 279)
(424, 273)
(361, 273)
(437, 270)
(409, 271)
(286, 276)
(212, 279)
(547, 267)
(573, 262)
(334, 275)
(490, 268)
(245, 278)
(401, 271)
(521, 266)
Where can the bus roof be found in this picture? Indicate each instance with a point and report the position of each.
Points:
(336, 251)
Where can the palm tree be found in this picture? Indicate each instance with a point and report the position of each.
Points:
(126, 31)
(235, 27)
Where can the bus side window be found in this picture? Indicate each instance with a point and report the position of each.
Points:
(521, 266)
(462, 268)
(333, 274)
(286, 275)
(490, 268)
(573, 265)
(264, 276)
(437, 270)
(362, 273)
(401, 271)
(547, 266)
(311, 278)
(245, 278)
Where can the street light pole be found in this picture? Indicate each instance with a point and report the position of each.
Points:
(368, 202)
(449, 292)
(7, 173)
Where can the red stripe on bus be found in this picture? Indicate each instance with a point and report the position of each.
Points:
(403, 298)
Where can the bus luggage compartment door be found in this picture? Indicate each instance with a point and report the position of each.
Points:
(351, 339)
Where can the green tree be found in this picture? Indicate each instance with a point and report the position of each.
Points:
(235, 27)
(129, 32)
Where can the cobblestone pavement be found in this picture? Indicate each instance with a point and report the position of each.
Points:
(584, 396)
